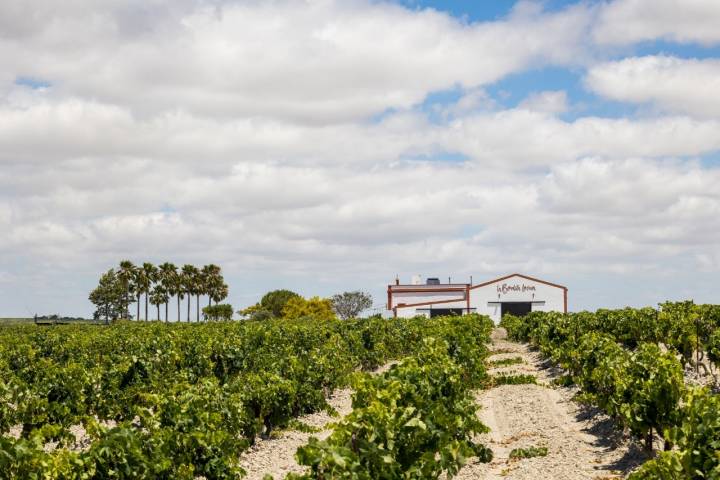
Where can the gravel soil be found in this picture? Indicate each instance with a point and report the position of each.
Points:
(582, 443)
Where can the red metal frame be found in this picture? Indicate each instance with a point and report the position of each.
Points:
(484, 284)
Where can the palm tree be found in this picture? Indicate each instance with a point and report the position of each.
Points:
(189, 280)
(126, 274)
(212, 280)
(149, 276)
(217, 289)
(167, 278)
(158, 296)
(208, 281)
(220, 293)
(139, 287)
(199, 288)
(179, 293)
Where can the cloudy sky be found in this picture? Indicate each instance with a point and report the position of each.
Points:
(327, 145)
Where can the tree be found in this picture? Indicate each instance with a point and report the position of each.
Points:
(316, 307)
(133, 279)
(126, 276)
(179, 290)
(256, 312)
(149, 277)
(167, 275)
(199, 288)
(350, 304)
(270, 305)
(275, 301)
(110, 296)
(219, 293)
(215, 287)
(158, 296)
(189, 280)
(220, 311)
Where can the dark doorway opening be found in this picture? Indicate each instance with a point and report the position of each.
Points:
(519, 309)
(440, 312)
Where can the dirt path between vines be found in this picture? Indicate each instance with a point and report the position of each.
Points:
(276, 456)
(582, 443)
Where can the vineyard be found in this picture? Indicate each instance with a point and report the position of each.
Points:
(633, 365)
(173, 401)
(188, 401)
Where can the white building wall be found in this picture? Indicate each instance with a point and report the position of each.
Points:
(412, 298)
(408, 312)
(486, 299)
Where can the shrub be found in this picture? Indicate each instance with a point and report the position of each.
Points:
(221, 311)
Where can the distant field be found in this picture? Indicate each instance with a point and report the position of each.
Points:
(10, 321)
(20, 321)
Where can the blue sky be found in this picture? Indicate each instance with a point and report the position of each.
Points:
(329, 146)
(479, 11)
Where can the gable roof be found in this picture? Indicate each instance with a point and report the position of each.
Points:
(521, 276)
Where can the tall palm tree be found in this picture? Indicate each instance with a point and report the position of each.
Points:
(220, 293)
(189, 279)
(167, 277)
(199, 288)
(217, 289)
(139, 287)
(179, 292)
(158, 296)
(149, 277)
(126, 274)
(212, 281)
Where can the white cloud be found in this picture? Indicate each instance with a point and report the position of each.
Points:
(669, 83)
(315, 61)
(630, 21)
(547, 101)
(288, 142)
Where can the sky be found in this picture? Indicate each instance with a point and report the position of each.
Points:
(326, 146)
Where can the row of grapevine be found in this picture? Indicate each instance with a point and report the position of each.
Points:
(181, 401)
(415, 421)
(630, 363)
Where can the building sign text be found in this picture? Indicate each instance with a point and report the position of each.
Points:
(505, 288)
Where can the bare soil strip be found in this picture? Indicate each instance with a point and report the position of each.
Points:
(582, 443)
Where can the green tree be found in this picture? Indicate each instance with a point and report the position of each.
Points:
(167, 276)
(159, 296)
(220, 311)
(189, 279)
(179, 290)
(275, 301)
(148, 278)
(126, 276)
(214, 284)
(349, 304)
(110, 296)
(272, 303)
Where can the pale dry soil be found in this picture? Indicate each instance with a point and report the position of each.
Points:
(582, 443)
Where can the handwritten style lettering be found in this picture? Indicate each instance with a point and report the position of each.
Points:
(505, 288)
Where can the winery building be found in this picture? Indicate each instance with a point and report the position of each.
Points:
(516, 294)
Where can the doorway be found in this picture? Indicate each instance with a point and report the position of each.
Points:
(518, 309)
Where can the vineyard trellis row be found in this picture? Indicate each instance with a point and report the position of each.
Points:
(181, 401)
(631, 363)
